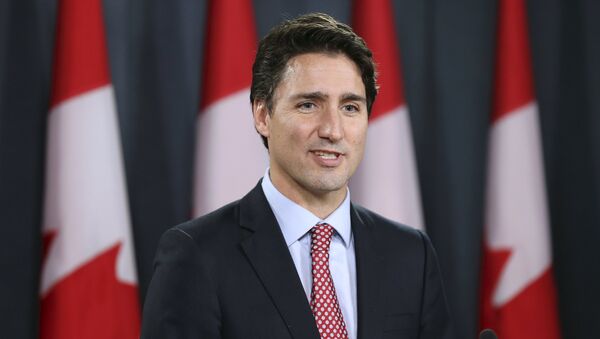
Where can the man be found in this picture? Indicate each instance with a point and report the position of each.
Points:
(295, 258)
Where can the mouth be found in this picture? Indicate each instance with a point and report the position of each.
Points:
(327, 155)
(328, 158)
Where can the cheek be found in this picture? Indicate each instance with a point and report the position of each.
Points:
(297, 133)
(357, 135)
(288, 135)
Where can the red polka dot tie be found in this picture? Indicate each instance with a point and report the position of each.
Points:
(323, 300)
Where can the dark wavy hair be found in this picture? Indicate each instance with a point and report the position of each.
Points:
(309, 33)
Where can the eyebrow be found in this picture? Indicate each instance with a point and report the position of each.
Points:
(322, 96)
(353, 97)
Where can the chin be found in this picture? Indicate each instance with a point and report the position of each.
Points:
(325, 185)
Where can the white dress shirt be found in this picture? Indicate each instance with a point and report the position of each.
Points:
(295, 222)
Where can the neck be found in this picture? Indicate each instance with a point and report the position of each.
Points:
(319, 203)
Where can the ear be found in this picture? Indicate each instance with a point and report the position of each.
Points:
(261, 117)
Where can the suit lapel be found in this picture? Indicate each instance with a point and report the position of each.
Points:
(267, 252)
(369, 265)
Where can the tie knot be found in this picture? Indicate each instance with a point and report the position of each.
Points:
(320, 236)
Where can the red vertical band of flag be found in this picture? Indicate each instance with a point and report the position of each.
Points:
(80, 55)
(518, 295)
(229, 49)
(387, 179)
(373, 21)
(88, 284)
(226, 139)
(513, 87)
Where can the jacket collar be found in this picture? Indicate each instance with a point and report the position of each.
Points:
(268, 254)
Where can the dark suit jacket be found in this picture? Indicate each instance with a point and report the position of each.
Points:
(229, 275)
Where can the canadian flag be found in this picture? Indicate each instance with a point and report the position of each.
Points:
(387, 180)
(88, 281)
(518, 293)
(229, 154)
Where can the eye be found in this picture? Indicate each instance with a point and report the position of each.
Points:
(307, 106)
(351, 108)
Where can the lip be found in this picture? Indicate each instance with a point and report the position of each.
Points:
(335, 162)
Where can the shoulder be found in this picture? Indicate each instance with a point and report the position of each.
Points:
(384, 225)
(390, 234)
(207, 235)
(222, 230)
(219, 221)
(201, 244)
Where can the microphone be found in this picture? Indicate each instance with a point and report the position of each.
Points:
(488, 334)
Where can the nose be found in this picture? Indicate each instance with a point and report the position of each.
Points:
(331, 125)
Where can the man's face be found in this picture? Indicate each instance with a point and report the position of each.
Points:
(318, 125)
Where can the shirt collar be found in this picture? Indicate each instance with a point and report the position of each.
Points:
(295, 221)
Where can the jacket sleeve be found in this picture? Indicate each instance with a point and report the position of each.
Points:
(181, 301)
(436, 322)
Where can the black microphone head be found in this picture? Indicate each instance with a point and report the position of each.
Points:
(488, 334)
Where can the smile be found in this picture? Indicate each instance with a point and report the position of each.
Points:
(327, 155)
